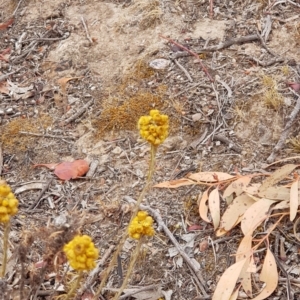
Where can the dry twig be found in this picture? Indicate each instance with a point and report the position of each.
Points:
(86, 31)
(78, 113)
(192, 53)
(38, 199)
(184, 70)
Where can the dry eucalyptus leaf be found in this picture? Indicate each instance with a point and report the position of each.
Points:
(210, 176)
(227, 282)
(255, 215)
(214, 206)
(235, 293)
(203, 208)
(243, 252)
(237, 186)
(294, 201)
(173, 184)
(252, 189)
(236, 209)
(277, 176)
(269, 275)
(282, 205)
(276, 193)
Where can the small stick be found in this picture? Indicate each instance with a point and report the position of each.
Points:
(145, 288)
(226, 44)
(184, 70)
(226, 141)
(14, 13)
(86, 31)
(46, 135)
(78, 113)
(288, 283)
(65, 36)
(285, 132)
(211, 8)
(37, 201)
(192, 53)
(264, 45)
(161, 224)
(268, 63)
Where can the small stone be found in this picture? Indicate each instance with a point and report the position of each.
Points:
(159, 63)
(117, 150)
(9, 111)
(196, 117)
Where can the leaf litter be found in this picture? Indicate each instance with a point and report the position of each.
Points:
(253, 203)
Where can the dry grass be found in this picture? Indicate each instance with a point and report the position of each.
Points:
(11, 138)
(295, 143)
(272, 98)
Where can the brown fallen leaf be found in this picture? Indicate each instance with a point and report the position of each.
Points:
(4, 55)
(214, 206)
(294, 202)
(173, 184)
(245, 276)
(203, 208)
(6, 24)
(236, 209)
(235, 294)
(4, 88)
(210, 176)
(203, 245)
(277, 176)
(269, 275)
(68, 170)
(275, 193)
(294, 85)
(227, 282)
(255, 215)
(236, 187)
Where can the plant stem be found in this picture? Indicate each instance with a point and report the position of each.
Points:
(5, 248)
(74, 287)
(136, 208)
(133, 259)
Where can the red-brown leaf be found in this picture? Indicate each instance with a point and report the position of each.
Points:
(294, 85)
(71, 170)
(68, 170)
(6, 24)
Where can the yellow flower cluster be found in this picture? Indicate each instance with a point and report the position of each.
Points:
(8, 203)
(141, 225)
(154, 128)
(81, 253)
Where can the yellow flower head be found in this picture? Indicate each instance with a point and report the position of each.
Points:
(8, 202)
(154, 128)
(141, 225)
(81, 253)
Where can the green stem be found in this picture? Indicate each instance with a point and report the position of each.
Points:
(5, 248)
(74, 287)
(133, 259)
(136, 209)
